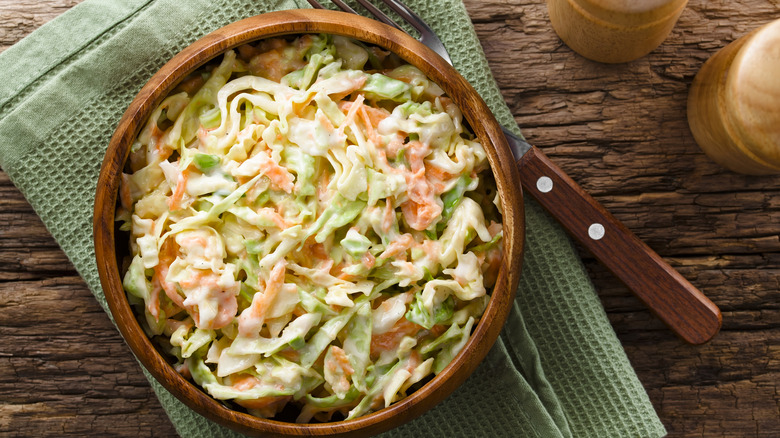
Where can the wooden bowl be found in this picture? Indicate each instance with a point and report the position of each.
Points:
(475, 111)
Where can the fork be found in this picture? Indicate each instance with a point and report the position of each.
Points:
(672, 298)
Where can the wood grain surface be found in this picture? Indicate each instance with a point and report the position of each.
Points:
(618, 130)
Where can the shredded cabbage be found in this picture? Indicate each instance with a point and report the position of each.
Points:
(307, 232)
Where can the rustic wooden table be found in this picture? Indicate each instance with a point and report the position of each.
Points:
(620, 131)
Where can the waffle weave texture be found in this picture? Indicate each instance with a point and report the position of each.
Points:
(557, 370)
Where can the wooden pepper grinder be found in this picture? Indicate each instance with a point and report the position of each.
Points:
(734, 103)
(614, 31)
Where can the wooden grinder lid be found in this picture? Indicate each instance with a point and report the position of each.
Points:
(753, 94)
(631, 13)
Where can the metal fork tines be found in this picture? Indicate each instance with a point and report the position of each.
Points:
(427, 36)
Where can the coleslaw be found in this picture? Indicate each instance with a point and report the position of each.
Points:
(312, 228)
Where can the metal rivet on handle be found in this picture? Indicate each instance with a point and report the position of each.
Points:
(596, 231)
(544, 184)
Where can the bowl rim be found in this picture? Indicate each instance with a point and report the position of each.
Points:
(475, 111)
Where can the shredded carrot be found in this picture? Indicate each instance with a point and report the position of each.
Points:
(251, 319)
(323, 194)
(420, 216)
(125, 198)
(370, 131)
(376, 115)
(389, 217)
(391, 339)
(168, 253)
(437, 173)
(493, 257)
(339, 360)
(160, 148)
(414, 361)
(370, 116)
(275, 217)
(174, 201)
(337, 271)
(153, 306)
(421, 209)
(398, 246)
(290, 354)
(197, 278)
(270, 402)
(415, 153)
(369, 260)
(354, 107)
(243, 382)
(276, 173)
(325, 123)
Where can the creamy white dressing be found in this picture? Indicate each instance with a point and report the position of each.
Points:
(308, 249)
(200, 184)
(315, 137)
(384, 317)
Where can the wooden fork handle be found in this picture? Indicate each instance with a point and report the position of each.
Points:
(673, 299)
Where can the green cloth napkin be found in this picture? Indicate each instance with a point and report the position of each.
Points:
(558, 370)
